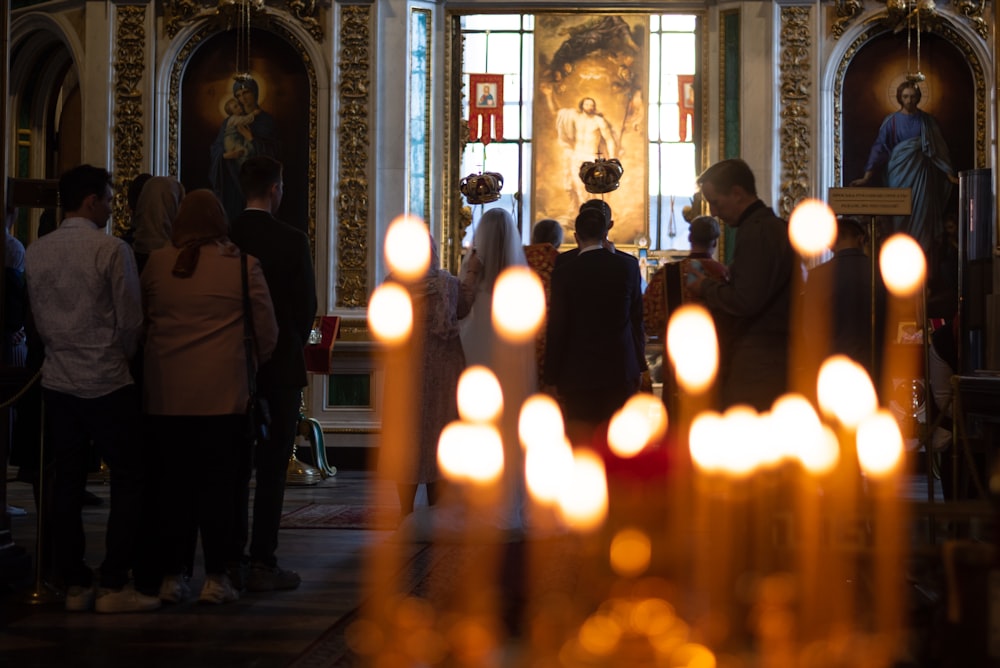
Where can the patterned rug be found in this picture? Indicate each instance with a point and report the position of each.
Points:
(340, 516)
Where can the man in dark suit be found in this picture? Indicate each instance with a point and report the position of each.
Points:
(286, 259)
(596, 306)
(638, 332)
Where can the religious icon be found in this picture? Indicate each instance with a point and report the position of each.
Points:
(486, 107)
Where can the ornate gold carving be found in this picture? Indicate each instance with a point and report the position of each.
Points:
(795, 88)
(973, 11)
(456, 216)
(129, 66)
(178, 13)
(306, 11)
(352, 187)
(847, 10)
(209, 29)
(875, 27)
(902, 14)
(722, 85)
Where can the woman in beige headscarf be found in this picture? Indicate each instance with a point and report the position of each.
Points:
(159, 201)
(196, 384)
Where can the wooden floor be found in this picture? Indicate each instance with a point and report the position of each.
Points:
(260, 630)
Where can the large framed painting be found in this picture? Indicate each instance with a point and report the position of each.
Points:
(225, 120)
(590, 101)
(887, 144)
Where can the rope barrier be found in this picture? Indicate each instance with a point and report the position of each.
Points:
(20, 393)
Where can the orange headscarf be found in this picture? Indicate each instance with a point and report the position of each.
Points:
(201, 220)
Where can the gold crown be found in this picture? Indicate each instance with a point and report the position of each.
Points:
(481, 188)
(602, 175)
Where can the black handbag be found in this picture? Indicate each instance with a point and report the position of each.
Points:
(258, 410)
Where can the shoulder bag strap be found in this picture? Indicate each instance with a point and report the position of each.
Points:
(249, 337)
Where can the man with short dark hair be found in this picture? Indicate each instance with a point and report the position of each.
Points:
(85, 298)
(752, 309)
(596, 305)
(286, 259)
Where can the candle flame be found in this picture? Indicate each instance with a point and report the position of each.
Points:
(641, 421)
(693, 347)
(390, 313)
(583, 501)
(480, 398)
(546, 469)
(470, 452)
(812, 227)
(540, 422)
(407, 247)
(845, 391)
(880, 444)
(903, 265)
(518, 304)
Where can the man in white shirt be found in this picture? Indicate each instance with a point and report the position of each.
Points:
(84, 293)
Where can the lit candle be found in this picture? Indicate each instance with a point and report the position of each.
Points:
(396, 322)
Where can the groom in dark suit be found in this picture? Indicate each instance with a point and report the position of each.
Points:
(595, 308)
(286, 259)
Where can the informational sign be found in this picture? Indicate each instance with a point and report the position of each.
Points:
(870, 201)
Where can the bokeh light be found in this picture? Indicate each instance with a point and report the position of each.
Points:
(480, 398)
(540, 422)
(630, 553)
(408, 247)
(390, 313)
(583, 500)
(880, 444)
(903, 265)
(845, 391)
(547, 470)
(693, 347)
(812, 227)
(518, 304)
(640, 422)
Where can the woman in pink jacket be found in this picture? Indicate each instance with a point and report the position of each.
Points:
(196, 384)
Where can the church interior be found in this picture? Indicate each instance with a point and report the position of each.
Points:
(851, 524)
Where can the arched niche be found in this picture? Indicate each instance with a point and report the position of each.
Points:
(200, 83)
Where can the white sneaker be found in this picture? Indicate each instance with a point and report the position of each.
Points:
(175, 588)
(80, 599)
(218, 589)
(126, 599)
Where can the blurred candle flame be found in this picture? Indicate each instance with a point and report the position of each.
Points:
(546, 469)
(880, 444)
(693, 347)
(903, 265)
(583, 500)
(390, 313)
(812, 227)
(479, 396)
(540, 422)
(705, 441)
(470, 452)
(630, 552)
(641, 421)
(518, 304)
(793, 425)
(407, 247)
(845, 391)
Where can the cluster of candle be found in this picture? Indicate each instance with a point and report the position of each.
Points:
(570, 479)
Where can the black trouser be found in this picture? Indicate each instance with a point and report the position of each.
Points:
(111, 422)
(201, 457)
(270, 459)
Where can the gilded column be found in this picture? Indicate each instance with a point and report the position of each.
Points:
(795, 87)
(353, 156)
(129, 66)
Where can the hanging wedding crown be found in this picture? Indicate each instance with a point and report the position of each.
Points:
(481, 188)
(602, 175)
